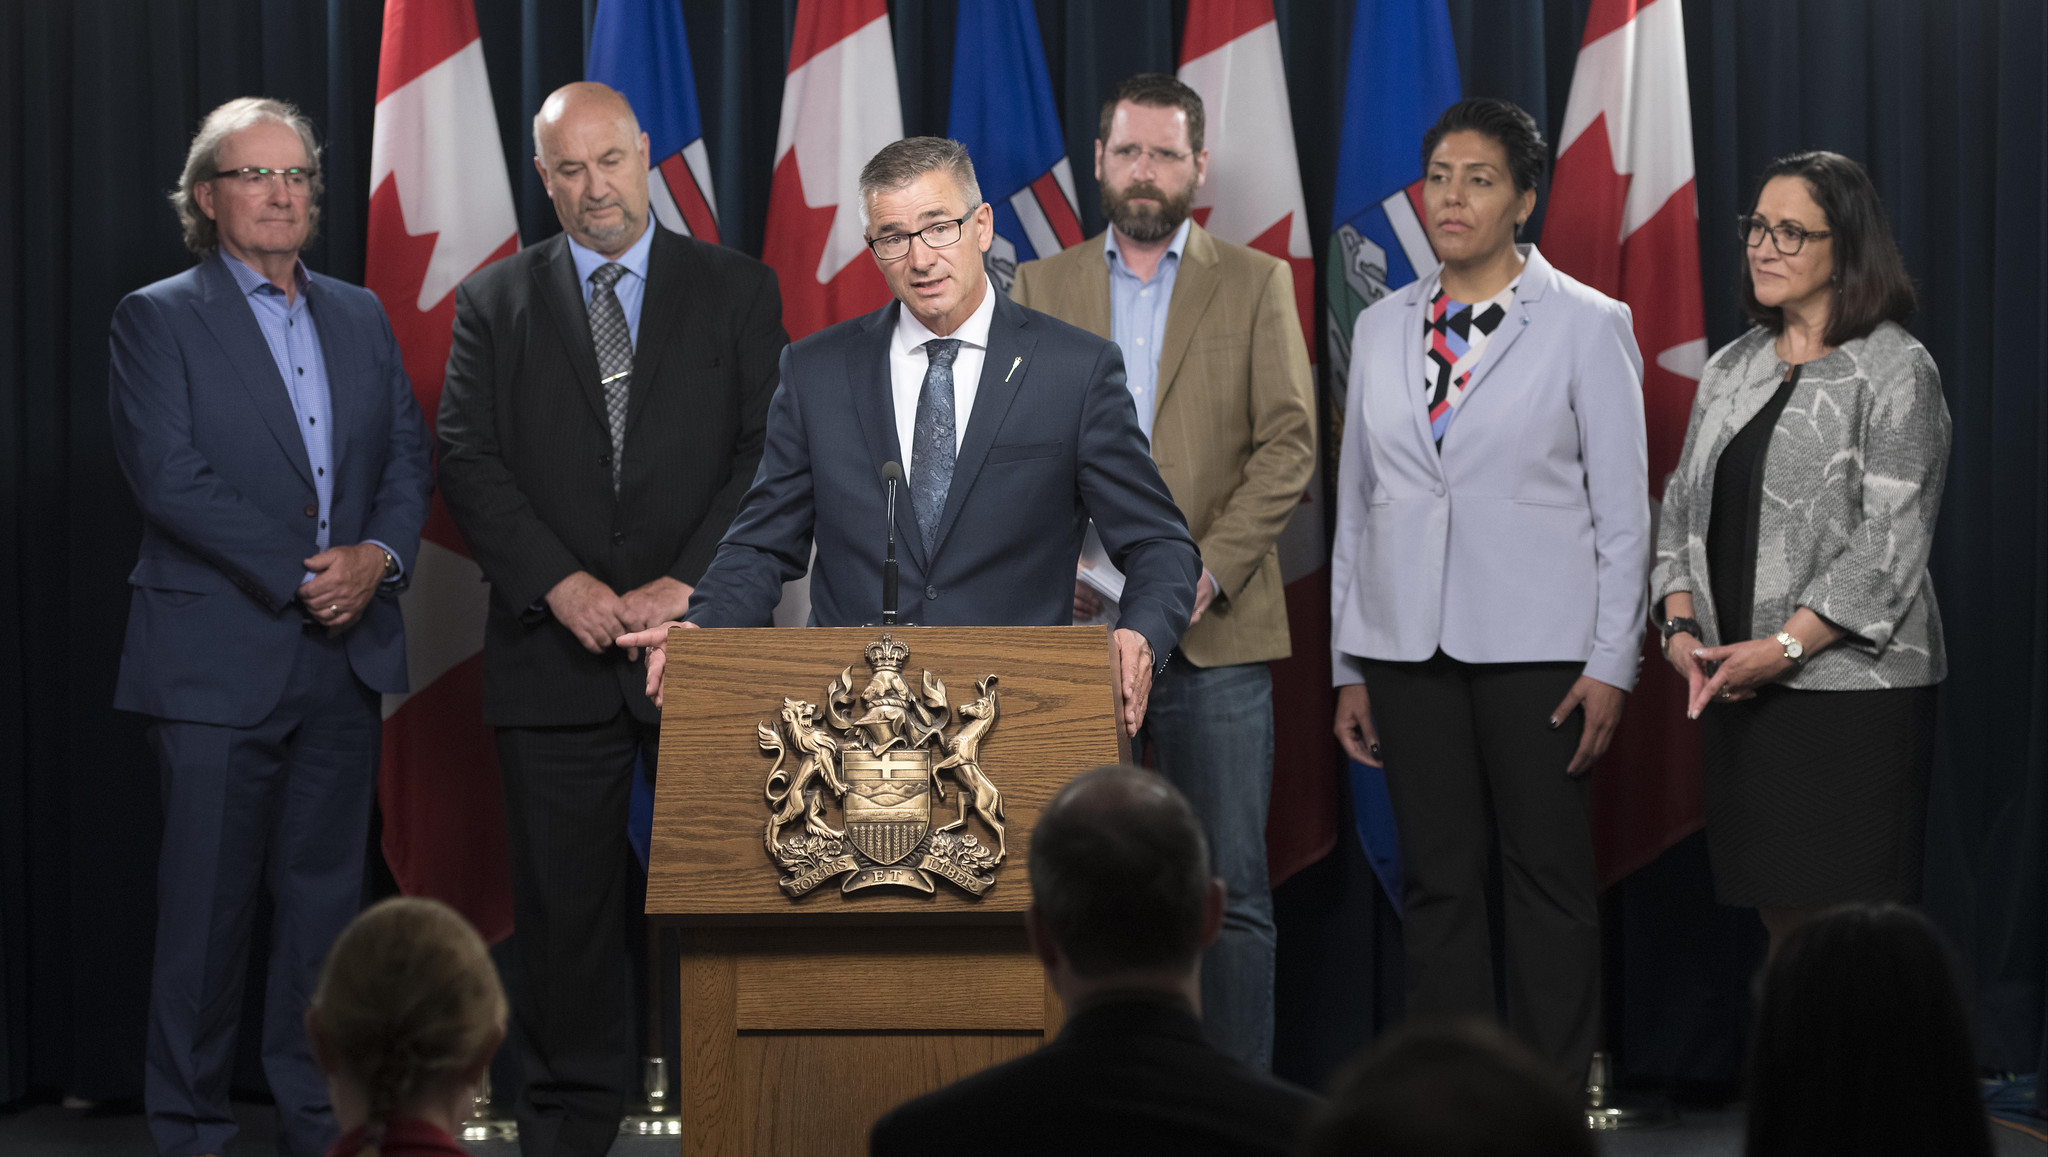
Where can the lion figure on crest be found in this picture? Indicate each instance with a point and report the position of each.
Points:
(793, 792)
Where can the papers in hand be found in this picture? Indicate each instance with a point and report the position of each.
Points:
(1097, 571)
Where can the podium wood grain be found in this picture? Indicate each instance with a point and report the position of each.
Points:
(805, 1020)
(709, 860)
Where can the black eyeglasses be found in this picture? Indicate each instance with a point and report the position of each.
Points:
(937, 235)
(1787, 238)
(297, 179)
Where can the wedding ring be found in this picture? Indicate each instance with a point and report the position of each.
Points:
(335, 609)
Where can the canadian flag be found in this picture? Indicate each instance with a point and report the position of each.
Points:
(1230, 55)
(440, 209)
(839, 107)
(1624, 219)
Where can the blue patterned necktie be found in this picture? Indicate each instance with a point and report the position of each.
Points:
(614, 342)
(932, 440)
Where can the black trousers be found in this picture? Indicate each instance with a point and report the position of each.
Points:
(1471, 757)
(566, 795)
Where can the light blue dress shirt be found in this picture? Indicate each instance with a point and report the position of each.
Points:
(294, 342)
(1137, 323)
(1137, 318)
(631, 289)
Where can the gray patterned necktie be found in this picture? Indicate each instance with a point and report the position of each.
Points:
(932, 440)
(614, 343)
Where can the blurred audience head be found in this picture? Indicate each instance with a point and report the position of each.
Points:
(1862, 1045)
(1448, 1089)
(407, 1014)
(1121, 890)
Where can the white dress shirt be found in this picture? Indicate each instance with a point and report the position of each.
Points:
(908, 362)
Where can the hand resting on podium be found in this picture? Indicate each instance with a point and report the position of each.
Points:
(1133, 654)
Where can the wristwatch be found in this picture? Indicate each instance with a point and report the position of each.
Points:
(390, 566)
(1794, 649)
(1676, 626)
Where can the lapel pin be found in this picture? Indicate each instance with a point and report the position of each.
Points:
(1013, 367)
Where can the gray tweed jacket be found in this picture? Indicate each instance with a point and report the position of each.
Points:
(1852, 484)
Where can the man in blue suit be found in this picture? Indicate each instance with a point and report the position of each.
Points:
(262, 416)
(1011, 428)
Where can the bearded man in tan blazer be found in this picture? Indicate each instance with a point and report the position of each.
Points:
(1213, 350)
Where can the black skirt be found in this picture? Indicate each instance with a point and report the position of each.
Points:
(1817, 798)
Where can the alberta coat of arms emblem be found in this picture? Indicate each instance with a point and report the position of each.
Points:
(882, 756)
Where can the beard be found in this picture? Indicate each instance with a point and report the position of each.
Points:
(1147, 223)
(628, 225)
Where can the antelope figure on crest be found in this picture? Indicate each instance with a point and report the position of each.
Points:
(963, 758)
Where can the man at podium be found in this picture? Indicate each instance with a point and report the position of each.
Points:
(1010, 429)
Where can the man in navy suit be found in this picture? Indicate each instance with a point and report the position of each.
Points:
(1012, 430)
(262, 416)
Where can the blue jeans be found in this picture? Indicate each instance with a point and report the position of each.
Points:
(1210, 730)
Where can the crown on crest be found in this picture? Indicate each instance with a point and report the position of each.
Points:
(886, 654)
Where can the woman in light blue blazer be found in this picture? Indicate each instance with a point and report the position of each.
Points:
(1487, 583)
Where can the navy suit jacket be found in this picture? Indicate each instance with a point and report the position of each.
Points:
(205, 433)
(1049, 445)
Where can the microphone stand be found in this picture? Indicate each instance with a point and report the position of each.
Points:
(890, 474)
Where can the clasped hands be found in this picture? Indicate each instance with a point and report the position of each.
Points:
(344, 580)
(1133, 654)
(598, 617)
(1729, 673)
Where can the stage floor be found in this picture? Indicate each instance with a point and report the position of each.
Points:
(52, 1131)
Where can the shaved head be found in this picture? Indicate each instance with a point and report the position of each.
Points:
(593, 159)
(577, 102)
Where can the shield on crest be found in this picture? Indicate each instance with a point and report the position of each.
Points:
(888, 801)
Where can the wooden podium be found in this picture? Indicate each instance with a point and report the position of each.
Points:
(804, 1019)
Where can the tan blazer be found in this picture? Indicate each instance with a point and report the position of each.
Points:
(1233, 427)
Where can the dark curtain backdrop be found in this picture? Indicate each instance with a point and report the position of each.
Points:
(1945, 103)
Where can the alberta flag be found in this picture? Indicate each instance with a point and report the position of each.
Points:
(1002, 111)
(640, 48)
(1403, 74)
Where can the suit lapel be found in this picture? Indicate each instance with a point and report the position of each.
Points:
(227, 315)
(1758, 380)
(1510, 331)
(671, 297)
(339, 355)
(1003, 372)
(1531, 286)
(874, 406)
(1091, 289)
(555, 283)
(1409, 388)
(1193, 286)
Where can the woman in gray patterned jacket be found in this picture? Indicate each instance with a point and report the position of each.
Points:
(1791, 576)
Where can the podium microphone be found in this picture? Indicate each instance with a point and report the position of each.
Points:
(892, 473)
